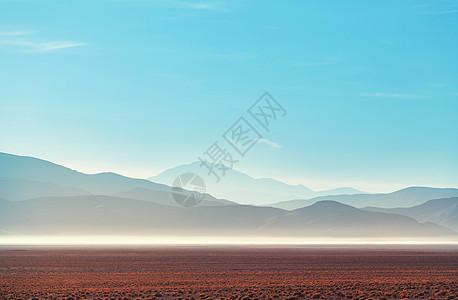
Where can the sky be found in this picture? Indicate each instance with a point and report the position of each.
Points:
(369, 88)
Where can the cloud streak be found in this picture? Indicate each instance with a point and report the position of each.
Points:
(326, 62)
(28, 46)
(444, 7)
(221, 6)
(201, 6)
(49, 46)
(16, 33)
(268, 142)
(444, 12)
(392, 95)
(22, 43)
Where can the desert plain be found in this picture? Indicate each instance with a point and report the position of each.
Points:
(228, 273)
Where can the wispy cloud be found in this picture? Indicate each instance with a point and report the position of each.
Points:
(185, 5)
(434, 7)
(443, 12)
(268, 142)
(49, 46)
(16, 33)
(392, 95)
(23, 42)
(386, 42)
(437, 85)
(231, 56)
(312, 63)
(28, 46)
(201, 6)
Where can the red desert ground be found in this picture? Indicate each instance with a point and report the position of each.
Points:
(228, 273)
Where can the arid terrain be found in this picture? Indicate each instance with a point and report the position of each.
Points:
(227, 273)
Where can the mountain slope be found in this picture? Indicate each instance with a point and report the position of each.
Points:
(27, 177)
(240, 187)
(108, 215)
(330, 218)
(403, 198)
(440, 211)
(92, 215)
(33, 169)
(20, 189)
(165, 198)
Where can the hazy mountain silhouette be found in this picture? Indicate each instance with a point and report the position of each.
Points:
(27, 177)
(91, 215)
(20, 189)
(330, 218)
(29, 168)
(68, 202)
(403, 198)
(114, 215)
(164, 197)
(440, 211)
(244, 189)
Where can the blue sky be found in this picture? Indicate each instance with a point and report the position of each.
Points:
(135, 87)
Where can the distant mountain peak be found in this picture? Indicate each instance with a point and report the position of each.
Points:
(328, 206)
(406, 197)
(243, 188)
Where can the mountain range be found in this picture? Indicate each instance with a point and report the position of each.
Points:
(440, 211)
(108, 215)
(410, 196)
(38, 197)
(244, 189)
(24, 178)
